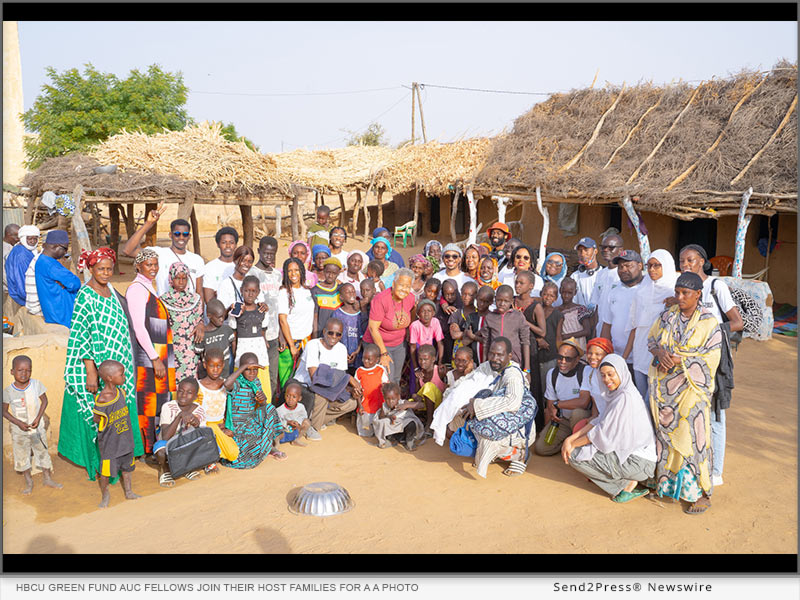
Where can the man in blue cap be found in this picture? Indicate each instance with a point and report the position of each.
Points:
(394, 256)
(56, 285)
(588, 269)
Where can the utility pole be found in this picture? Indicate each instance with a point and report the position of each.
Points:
(421, 117)
(413, 110)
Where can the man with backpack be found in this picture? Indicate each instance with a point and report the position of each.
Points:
(564, 407)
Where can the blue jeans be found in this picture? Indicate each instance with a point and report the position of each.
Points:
(718, 437)
(640, 381)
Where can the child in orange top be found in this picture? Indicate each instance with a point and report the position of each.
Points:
(371, 375)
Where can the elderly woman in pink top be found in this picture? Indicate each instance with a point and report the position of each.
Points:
(390, 315)
(153, 355)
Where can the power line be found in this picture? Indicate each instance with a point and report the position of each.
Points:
(285, 94)
(466, 89)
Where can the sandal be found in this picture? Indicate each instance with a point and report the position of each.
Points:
(514, 469)
(624, 496)
(212, 468)
(698, 507)
(166, 480)
(278, 455)
(193, 475)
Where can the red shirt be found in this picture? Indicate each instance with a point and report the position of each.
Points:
(370, 380)
(385, 308)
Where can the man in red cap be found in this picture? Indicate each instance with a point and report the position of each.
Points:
(498, 236)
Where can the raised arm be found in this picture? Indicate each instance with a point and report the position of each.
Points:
(131, 247)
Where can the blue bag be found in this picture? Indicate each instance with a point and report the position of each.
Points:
(463, 443)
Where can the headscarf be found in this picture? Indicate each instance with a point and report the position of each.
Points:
(434, 263)
(690, 281)
(145, 254)
(180, 301)
(27, 231)
(90, 259)
(427, 249)
(557, 278)
(309, 258)
(377, 231)
(464, 258)
(494, 282)
(320, 248)
(417, 258)
(602, 343)
(707, 267)
(362, 254)
(650, 294)
(382, 240)
(625, 426)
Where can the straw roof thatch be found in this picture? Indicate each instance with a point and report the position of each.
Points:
(435, 166)
(333, 171)
(666, 147)
(197, 159)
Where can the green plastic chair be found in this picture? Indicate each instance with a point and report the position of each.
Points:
(406, 231)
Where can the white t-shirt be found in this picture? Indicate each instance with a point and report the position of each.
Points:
(316, 354)
(215, 272)
(510, 278)
(301, 316)
(32, 303)
(567, 388)
(593, 384)
(619, 302)
(607, 279)
(640, 353)
(342, 256)
(230, 292)
(166, 258)
(270, 284)
(460, 279)
(586, 283)
(299, 414)
(723, 295)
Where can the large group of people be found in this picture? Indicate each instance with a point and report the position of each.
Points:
(624, 370)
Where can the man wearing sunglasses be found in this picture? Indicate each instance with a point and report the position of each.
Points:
(451, 257)
(610, 247)
(619, 300)
(329, 394)
(56, 285)
(562, 395)
(179, 233)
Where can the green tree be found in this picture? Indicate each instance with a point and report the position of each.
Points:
(76, 111)
(229, 133)
(373, 135)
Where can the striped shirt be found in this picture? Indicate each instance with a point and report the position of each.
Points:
(514, 387)
(31, 295)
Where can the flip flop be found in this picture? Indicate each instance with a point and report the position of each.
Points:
(698, 507)
(278, 455)
(213, 468)
(624, 496)
(193, 475)
(514, 469)
(166, 480)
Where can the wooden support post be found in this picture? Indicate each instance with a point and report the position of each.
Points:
(769, 244)
(366, 207)
(421, 117)
(29, 210)
(342, 213)
(278, 224)
(295, 218)
(741, 233)
(644, 241)
(473, 217)
(195, 231)
(321, 199)
(95, 210)
(185, 211)
(80, 237)
(413, 110)
(130, 220)
(113, 209)
(380, 207)
(453, 210)
(247, 224)
(545, 230)
(416, 207)
(356, 210)
(152, 236)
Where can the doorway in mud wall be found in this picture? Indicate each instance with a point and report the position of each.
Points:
(698, 231)
(433, 212)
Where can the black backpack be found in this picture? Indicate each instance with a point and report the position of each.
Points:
(555, 373)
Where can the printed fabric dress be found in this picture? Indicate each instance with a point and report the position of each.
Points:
(185, 312)
(254, 427)
(99, 332)
(681, 402)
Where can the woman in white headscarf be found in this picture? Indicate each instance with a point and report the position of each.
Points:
(618, 449)
(648, 304)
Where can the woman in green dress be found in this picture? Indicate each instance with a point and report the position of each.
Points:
(100, 331)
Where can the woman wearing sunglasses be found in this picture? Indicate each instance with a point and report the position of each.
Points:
(522, 260)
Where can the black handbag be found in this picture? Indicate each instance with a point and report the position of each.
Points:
(192, 450)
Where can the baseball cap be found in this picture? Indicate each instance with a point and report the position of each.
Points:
(586, 242)
(501, 227)
(628, 255)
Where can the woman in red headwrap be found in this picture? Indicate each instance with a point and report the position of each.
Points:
(591, 387)
(101, 330)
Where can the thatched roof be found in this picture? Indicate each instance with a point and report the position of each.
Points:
(333, 171)
(668, 146)
(196, 159)
(435, 166)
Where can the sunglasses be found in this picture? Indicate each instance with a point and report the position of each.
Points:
(523, 257)
(562, 358)
(552, 262)
(185, 234)
(334, 333)
(607, 247)
(452, 256)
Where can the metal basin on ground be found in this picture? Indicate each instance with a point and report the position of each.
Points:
(321, 499)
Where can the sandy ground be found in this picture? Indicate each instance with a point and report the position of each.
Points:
(431, 501)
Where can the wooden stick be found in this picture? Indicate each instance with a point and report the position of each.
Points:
(278, 223)
(545, 230)
(152, 236)
(30, 210)
(453, 210)
(356, 210)
(114, 235)
(341, 214)
(754, 194)
(634, 130)
(366, 207)
(473, 217)
(716, 143)
(380, 207)
(95, 224)
(195, 231)
(416, 207)
(413, 111)
(422, 117)
(661, 141)
(247, 224)
(769, 141)
(594, 135)
(295, 218)
(130, 221)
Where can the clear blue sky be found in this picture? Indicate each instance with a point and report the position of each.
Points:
(285, 57)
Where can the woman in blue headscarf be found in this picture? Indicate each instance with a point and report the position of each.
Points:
(393, 257)
(381, 251)
(555, 270)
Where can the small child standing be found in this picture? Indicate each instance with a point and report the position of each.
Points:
(24, 403)
(294, 417)
(375, 271)
(430, 382)
(349, 313)
(578, 321)
(449, 304)
(431, 290)
(251, 324)
(397, 417)
(459, 320)
(507, 322)
(367, 288)
(213, 397)
(114, 431)
(371, 375)
(326, 293)
(217, 335)
(425, 330)
(483, 302)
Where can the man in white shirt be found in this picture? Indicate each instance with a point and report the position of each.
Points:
(607, 279)
(629, 266)
(222, 267)
(451, 256)
(270, 282)
(179, 234)
(587, 272)
(32, 304)
(505, 268)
